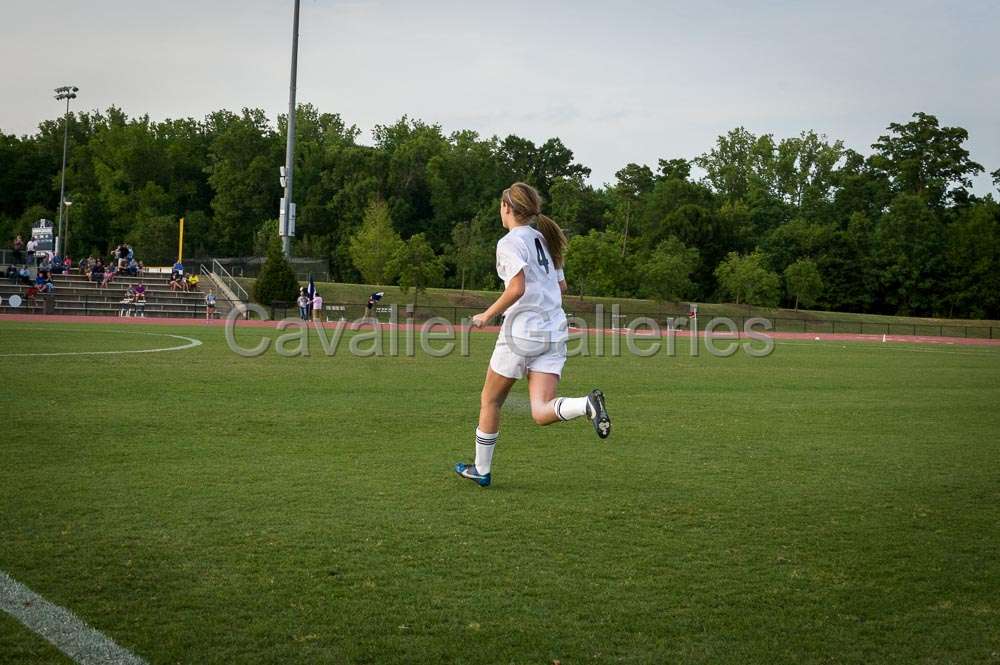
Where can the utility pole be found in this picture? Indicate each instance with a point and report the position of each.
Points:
(66, 92)
(286, 223)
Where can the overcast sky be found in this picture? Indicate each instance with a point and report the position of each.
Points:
(618, 82)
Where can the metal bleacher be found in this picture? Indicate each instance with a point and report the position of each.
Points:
(76, 294)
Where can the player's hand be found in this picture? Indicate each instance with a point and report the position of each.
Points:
(479, 320)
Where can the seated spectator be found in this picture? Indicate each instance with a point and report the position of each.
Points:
(140, 299)
(42, 283)
(45, 265)
(97, 271)
(175, 282)
(133, 267)
(191, 283)
(67, 265)
(12, 273)
(178, 268)
(127, 302)
(142, 268)
(23, 276)
(108, 276)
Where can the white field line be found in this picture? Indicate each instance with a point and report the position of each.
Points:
(60, 627)
(191, 343)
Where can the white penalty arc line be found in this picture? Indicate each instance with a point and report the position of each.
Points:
(63, 629)
(191, 343)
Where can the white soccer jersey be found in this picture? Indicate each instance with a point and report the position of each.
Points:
(539, 310)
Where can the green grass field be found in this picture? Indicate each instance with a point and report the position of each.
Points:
(831, 503)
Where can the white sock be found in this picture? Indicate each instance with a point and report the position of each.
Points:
(484, 450)
(568, 408)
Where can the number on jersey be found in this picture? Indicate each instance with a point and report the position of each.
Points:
(542, 259)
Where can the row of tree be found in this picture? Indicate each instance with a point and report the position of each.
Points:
(798, 220)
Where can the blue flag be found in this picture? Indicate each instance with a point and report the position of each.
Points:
(311, 291)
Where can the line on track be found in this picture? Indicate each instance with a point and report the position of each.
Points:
(190, 343)
(953, 350)
(59, 626)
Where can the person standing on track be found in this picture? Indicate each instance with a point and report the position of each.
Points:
(532, 340)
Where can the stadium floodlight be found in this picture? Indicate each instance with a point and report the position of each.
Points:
(67, 203)
(66, 92)
(286, 213)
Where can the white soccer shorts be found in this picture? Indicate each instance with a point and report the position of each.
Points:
(515, 360)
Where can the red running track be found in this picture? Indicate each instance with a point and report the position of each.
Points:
(827, 337)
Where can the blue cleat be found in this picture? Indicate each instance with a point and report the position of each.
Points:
(469, 471)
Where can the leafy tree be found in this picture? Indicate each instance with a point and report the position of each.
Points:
(634, 181)
(973, 256)
(748, 279)
(741, 166)
(471, 252)
(594, 265)
(262, 237)
(666, 273)
(418, 267)
(921, 157)
(242, 172)
(375, 245)
(802, 280)
(909, 256)
(155, 239)
(276, 281)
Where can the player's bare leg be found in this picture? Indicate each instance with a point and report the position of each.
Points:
(495, 391)
(547, 408)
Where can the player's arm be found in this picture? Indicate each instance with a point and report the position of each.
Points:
(510, 295)
(562, 280)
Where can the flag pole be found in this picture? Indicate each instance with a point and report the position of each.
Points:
(180, 242)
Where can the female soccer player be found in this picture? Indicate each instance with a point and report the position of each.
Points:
(533, 336)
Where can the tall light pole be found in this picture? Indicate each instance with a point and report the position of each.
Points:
(67, 203)
(66, 92)
(286, 226)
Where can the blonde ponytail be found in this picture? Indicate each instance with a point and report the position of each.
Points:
(526, 204)
(554, 238)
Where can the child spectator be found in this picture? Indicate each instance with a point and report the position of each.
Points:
(209, 305)
(191, 283)
(303, 302)
(175, 282)
(108, 276)
(317, 307)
